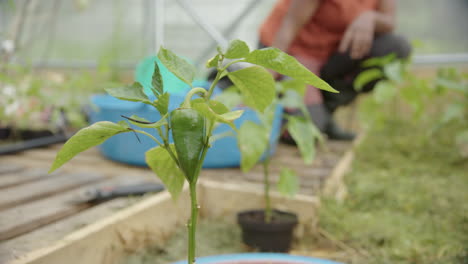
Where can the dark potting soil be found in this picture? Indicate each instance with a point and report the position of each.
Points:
(214, 237)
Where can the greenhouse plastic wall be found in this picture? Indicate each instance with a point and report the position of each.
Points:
(85, 33)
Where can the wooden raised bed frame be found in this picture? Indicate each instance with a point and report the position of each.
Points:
(155, 218)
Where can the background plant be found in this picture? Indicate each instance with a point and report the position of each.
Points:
(193, 122)
(254, 139)
(47, 100)
(439, 100)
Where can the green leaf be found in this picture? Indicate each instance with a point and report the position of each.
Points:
(178, 66)
(229, 98)
(252, 141)
(134, 93)
(378, 61)
(86, 138)
(291, 99)
(256, 85)
(288, 184)
(161, 163)
(393, 71)
(384, 91)
(213, 62)
(123, 123)
(366, 77)
(162, 103)
(452, 112)
(143, 123)
(237, 49)
(293, 84)
(281, 62)
(216, 111)
(305, 134)
(157, 81)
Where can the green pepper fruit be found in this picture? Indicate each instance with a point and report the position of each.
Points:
(188, 132)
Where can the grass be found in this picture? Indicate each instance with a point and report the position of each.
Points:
(407, 202)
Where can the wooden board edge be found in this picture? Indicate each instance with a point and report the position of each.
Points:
(103, 234)
(334, 185)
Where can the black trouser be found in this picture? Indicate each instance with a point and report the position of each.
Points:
(340, 69)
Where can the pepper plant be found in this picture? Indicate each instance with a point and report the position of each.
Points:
(254, 140)
(191, 125)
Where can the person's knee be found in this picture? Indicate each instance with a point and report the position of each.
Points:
(391, 43)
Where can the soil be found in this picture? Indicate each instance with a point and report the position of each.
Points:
(214, 237)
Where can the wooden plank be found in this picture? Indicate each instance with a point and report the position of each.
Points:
(6, 168)
(50, 234)
(26, 176)
(19, 220)
(153, 219)
(45, 188)
(334, 185)
(104, 242)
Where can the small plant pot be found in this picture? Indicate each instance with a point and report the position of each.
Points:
(4, 133)
(275, 236)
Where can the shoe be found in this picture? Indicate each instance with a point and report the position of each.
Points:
(334, 132)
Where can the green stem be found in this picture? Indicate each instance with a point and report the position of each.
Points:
(231, 63)
(191, 93)
(149, 135)
(266, 185)
(213, 84)
(192, 225)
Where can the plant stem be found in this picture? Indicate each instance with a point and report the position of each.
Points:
(192, 225)
(213, 84)
(266, 185)
(191, 93)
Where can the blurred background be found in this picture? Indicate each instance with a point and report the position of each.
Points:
(122, 32)
(407, 191)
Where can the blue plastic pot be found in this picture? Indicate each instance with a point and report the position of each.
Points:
(126, 148)
(260, 258)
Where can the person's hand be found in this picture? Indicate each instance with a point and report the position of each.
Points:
(359, 36)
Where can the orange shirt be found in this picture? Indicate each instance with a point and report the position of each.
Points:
(321, 35)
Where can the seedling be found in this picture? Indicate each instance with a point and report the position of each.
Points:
(192, 124)
(254, 138)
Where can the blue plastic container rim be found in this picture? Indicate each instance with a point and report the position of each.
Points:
(259, 257)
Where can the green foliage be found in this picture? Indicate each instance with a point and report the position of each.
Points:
(384, 91)
(216, 111)
(213, 62)
(367, 76)
(237, 49)
(193, 122)
(252, 141)
(178, 66)
(162, 103)
(143, 123)
(86, 138)
(157, 81)
(159, 160)
(304, 133)
(133, 93)
(405, 198)
(288, 184)
(245, 79)
(281, 62)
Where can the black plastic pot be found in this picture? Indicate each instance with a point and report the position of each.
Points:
(4, 132)
(275, 236)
